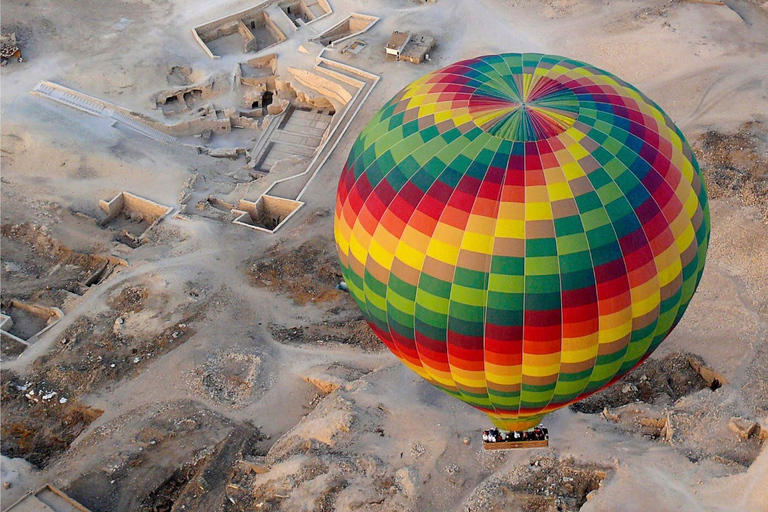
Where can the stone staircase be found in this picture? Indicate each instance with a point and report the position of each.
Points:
(98, 108)
(69, 98)
(296, 186)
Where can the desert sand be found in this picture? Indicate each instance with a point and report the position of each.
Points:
(209, 366)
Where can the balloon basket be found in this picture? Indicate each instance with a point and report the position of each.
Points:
(495, 439)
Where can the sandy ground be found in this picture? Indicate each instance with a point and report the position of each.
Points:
(191, 361)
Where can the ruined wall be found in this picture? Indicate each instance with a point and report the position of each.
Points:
(300, 9)
(6, 322)
(358, 23)
(273, 109)
(221, 30)
(308, 14)
(198, 126)
(278, 206)
(357, 84)
(125, 201)
(249, 41)
(267, 213)
(348, 68)
(112, 207)
(331, 90)
(267, 61)
(339, 30)
(249, 207)
(326, 7)
(274, 29)
(209, 31)
(211, 88)
(150, 210)
(353, 25)
(247, 122)
(265, 82)
(48, 313)
(252, 96)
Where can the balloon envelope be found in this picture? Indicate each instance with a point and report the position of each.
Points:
(521, 230)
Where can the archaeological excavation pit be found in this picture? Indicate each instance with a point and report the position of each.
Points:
(132, 217)
(267, 213)
(656, 380)
(304, 12)
(247, 31)
(545, 484)
(174, 102)
(24, 322)
(47, 498)
(258, 68)
(353, 25)
(297, 134)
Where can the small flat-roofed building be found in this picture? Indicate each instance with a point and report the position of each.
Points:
(397, 43)
(411, 47)
(417, 49)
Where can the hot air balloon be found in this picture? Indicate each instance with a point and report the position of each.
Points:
(521, 230)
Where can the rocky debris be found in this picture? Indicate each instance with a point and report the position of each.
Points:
(326, 427)
(220, 203)
(354, 332)
(697, 426)
(10, 348)
(185, 196)
(713, 379)
(165, 496)
(161, 457)
(656, 381)
(642, 17)
(736, 164)
(318, 466)
(191, 182)
(179, 76)
(36, 425)
(308, 273)
(642, 419)
(125, 237)
(417, 450)
(547, 484)
(92, 352)
(315, 483)
(329, 378)
(610, 416)
(744, 428)
(129, 299)
(231, 153)
(660, 428)
(42, 416)
(41, 241)
(208, 489)
(37, 268)
(229, 378)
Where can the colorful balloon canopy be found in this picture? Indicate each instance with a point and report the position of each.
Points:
(521, 230)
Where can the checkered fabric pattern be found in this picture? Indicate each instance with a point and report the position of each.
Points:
(521, 230)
